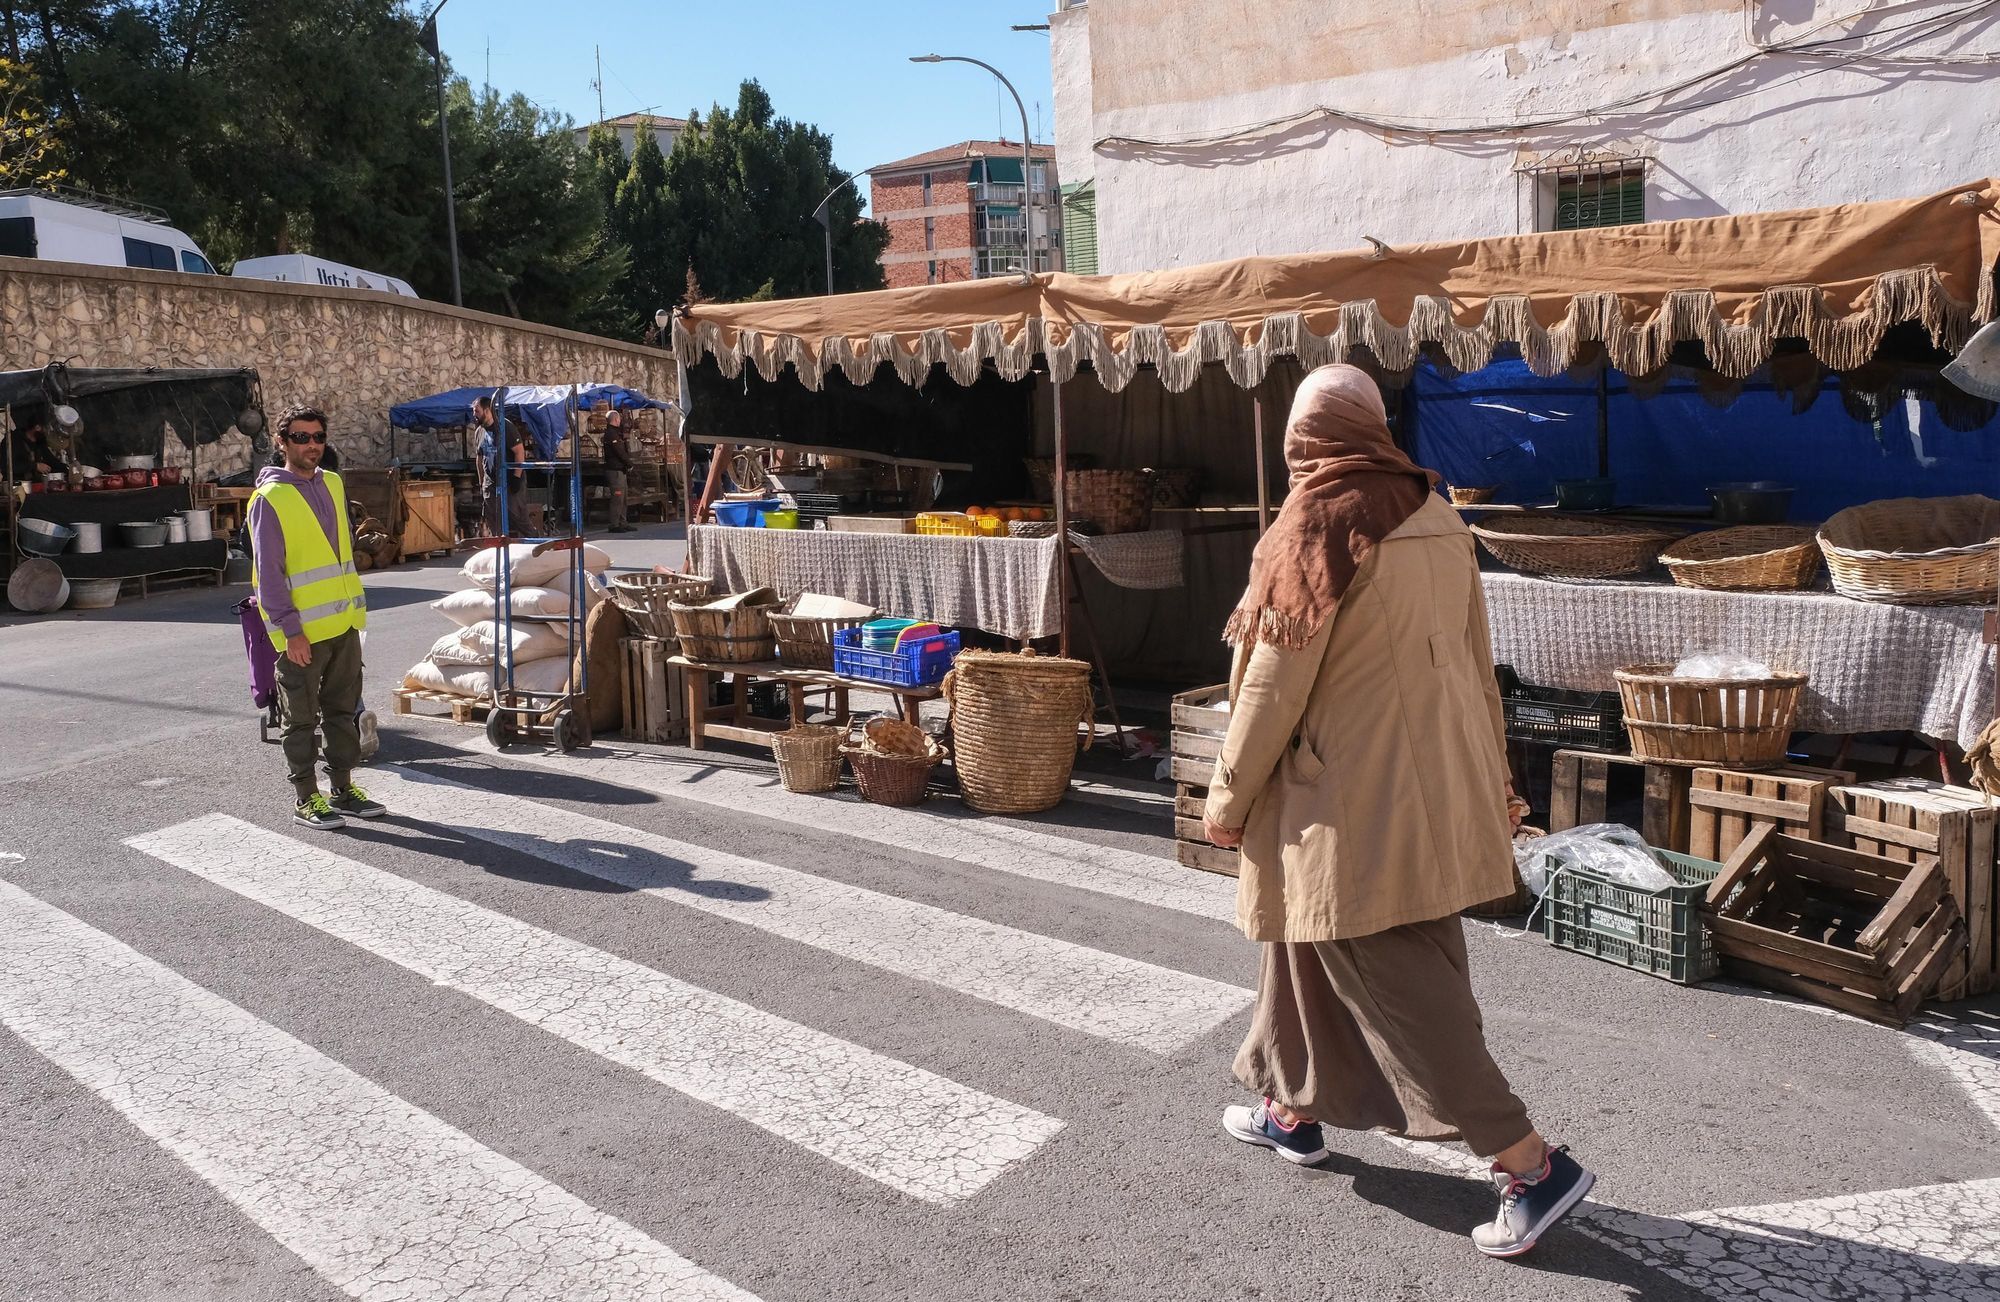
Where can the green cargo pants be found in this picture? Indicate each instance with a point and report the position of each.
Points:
(321, 698)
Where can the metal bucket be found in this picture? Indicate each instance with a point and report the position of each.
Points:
(37, 586)
(89, 537)
(93, 594)
(200, 523)
(45, 537)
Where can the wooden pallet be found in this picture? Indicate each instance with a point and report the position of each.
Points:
(1199, 727)
(464, 709)
(1908, 820)
(1725, 805)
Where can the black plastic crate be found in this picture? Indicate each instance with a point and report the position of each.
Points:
(1554, 716)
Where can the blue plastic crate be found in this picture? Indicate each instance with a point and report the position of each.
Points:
(743, 515)
(915, 664)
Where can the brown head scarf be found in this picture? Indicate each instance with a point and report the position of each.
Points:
(1351, 488)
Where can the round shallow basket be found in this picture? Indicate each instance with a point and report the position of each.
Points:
(1177, 487)
(1013, 724)
(644, 599)
(1571, 547)
(1031, 528)
(808, 757)
(1472, 496)
(1916, 551)
(893, 779)
(805, 641)
(1119, 501)
(1738, 723)
(739, 635)
(1750, 558)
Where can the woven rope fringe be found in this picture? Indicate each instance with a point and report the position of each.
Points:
(1269, 626)
(1597, 325)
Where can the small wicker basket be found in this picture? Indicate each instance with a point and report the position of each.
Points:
(1118, 501)
(1737, 723)
(645, 597)
(1749, 558)
(735, 635)
(1916, 551)
(1014, 728)
(1572, 547)
(1042, 473)
(808, 757)
(806, 641)
(1031, 528)
(893, 779)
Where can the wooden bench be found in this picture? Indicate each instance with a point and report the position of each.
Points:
(733, 722)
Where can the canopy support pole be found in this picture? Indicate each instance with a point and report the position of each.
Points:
(1263, 478)
(1061, 484)
(1604, 419)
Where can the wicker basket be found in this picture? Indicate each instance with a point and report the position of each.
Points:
(1749, 558)
(1013, 724)
(1472, 496)
(893, 779)
(645, 597)
(805, 641)
(1738, 723)
(808, 757)
(1031, 528)
(1117, 501)
(1571, 547)
(1177, 487)
(1042, 474)
(1916, 551)
(739, 635)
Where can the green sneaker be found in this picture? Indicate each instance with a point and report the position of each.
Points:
(354, 803)
(316, 812)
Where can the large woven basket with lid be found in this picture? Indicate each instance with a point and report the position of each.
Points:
(1014, 727)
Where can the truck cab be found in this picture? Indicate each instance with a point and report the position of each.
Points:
(63, 225)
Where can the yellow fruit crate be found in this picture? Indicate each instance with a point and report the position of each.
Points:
(950, 524)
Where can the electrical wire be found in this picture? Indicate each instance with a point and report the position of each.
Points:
(1827, 50)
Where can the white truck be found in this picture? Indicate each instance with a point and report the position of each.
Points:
(304, 269)
(63, 225)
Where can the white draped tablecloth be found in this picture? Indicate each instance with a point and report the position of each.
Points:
(1874, 668)
(1005, 586)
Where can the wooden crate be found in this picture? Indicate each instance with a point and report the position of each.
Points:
(1911, 819)
(1200, 722)
(1580, 794)
(653, 692)
(1858, 932)
(429, 527)
(1724, 805)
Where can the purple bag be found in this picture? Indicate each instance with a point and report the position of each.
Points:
(257, 648)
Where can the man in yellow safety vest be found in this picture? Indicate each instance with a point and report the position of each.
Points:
(314, 611)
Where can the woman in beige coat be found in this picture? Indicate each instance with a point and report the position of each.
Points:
(1365, 778)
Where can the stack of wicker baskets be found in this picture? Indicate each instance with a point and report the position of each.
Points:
(1736, 723)
(893, 769)
(1116, 501)
(808, 757)
(1013, 723)
(1749, 558)
(1916, 551)
(733, 630)
(645, 599)
(1572, 547)
(806, 641)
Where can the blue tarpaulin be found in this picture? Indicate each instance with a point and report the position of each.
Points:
(537, 406)
(1505, 425)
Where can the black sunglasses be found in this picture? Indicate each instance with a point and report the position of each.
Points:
(306, 438)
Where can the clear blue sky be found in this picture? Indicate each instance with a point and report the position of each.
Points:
(841, 66)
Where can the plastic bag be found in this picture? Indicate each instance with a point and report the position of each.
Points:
(1608, 849)
(1721, 664)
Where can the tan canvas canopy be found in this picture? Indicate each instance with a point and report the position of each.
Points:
(1838, 278)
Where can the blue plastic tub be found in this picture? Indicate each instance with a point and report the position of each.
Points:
(914, 664)
(743, 515)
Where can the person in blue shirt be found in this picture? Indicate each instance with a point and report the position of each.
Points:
(488, 420)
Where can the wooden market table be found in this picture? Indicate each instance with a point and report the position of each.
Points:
(733, 722)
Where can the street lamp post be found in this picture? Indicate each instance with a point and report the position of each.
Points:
(823, 214)
(1027, 188)
(428, 38)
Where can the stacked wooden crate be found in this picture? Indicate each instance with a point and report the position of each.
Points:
(1726, 805)
(1201, 721)
(1911, 821)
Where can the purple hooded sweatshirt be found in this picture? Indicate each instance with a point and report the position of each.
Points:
(267, 539)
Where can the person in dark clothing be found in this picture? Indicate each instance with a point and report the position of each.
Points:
(488, 420)
(33, 457)
(617, 467)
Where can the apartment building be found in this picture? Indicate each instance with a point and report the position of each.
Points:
(965, 212)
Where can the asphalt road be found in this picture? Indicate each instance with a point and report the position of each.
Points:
(634, 1023)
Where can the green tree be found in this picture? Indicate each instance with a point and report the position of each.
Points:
(29, 154)
(642, 220)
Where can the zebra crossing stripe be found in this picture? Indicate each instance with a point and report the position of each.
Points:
(942, 829)
(1122, 999)
(911, 1129)
(384, 1200)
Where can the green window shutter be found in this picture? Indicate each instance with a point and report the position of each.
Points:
(1080, 228)
(1611, 201)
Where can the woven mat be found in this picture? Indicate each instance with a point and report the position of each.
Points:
(1004, 586)
(1874, 668)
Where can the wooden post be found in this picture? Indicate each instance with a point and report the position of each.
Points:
(1263, 477)
(1062, 514)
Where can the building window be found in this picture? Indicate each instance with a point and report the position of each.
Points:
(927, 189)
(930, 232)
(933, 279)
(1580, 192)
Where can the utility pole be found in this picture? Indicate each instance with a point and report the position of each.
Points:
(598, 85)
(428, 39)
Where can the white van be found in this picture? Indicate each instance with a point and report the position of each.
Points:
(304, 269)
(64, 225)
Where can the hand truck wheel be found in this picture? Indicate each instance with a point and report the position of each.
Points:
(500, 728)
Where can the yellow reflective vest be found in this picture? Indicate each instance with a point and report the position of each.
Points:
(324, 584)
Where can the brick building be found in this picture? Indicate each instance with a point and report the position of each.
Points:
(956, 213)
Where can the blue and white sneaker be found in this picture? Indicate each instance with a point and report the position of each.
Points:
(1530, 1204)
(1301, 1144)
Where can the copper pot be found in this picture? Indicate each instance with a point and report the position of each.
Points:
(138, 478)
(170, 475)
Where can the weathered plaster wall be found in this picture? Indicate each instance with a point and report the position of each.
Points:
(352, 353)
(1804, 132)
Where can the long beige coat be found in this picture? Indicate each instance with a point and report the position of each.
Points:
(1368, 770)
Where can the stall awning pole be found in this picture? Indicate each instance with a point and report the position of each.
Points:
(1263, 478)
(1061, 483)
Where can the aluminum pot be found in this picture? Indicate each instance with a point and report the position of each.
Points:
(1760, 501)
(93, 594)
(89, 537)
(200, 523)
(45, 537)
(177, 529)
(142, 533)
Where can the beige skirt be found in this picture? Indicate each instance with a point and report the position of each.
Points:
(1381, 1032)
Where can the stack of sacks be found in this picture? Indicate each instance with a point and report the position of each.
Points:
(462, 662)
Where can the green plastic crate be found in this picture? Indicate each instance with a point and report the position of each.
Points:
(1660, 932)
